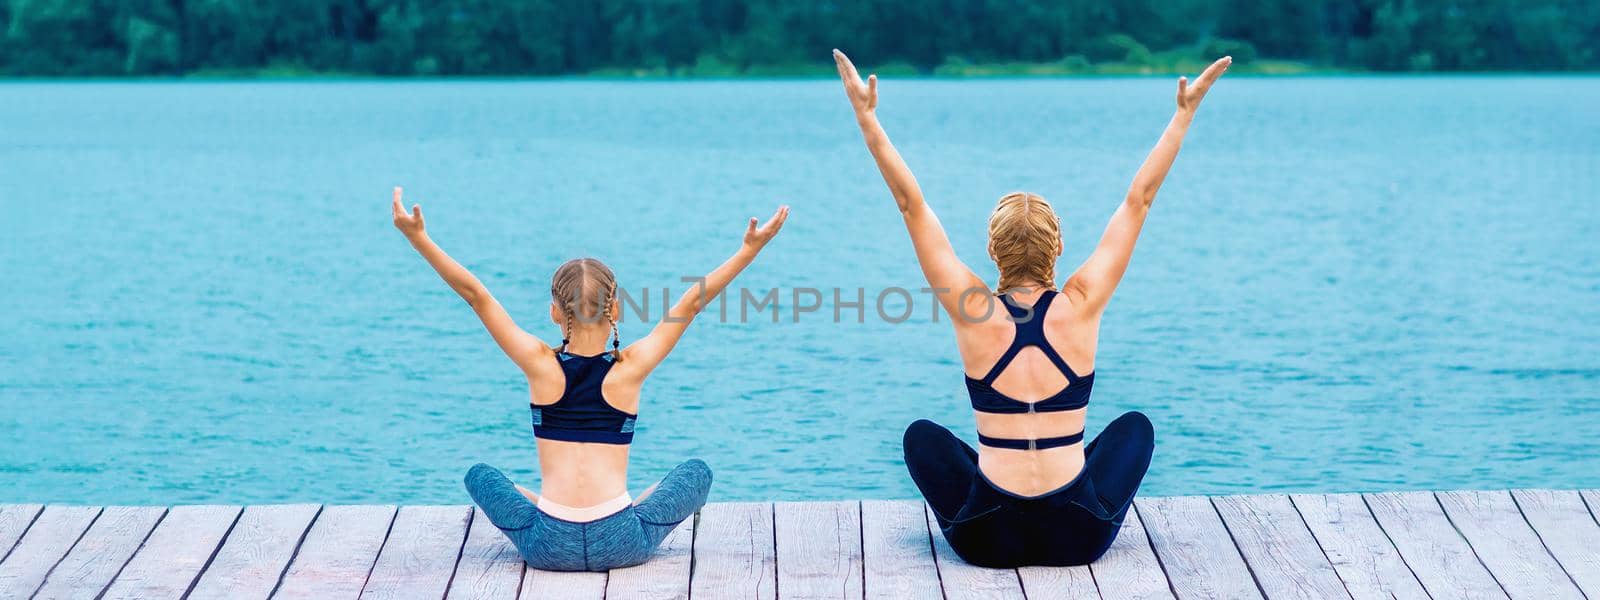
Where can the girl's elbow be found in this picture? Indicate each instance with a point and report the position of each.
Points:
(686, 310)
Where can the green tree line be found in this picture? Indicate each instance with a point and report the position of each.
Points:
(757, 37)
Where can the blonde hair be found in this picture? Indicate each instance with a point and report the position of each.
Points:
(585, 288)
(1024, 240)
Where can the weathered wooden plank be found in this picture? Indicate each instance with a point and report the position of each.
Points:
(1129, 568)
(665, 576)
(734, 556)
(1568, 531)
(175, 553)
(1194, 547)
(101, 553)
(256, 553)
(1440, 557)
(420, 556)
(1058, 582)
(1278, 547)
(553, 585)
(338, 553)
(53, 533)
(819, 549)
(1530, 543)
(490, 568)
(1507, 545)
(962, 580)
(896, 550)
(1592, 499)
(14, 520)
(1366, 561)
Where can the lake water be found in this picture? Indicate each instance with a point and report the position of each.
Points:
(1346, 284)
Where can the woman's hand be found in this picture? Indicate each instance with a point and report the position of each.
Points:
(756, 237)
(409, 224)
(863, 95)
(1189, 96)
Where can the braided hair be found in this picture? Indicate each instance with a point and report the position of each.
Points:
(584, 288)
(1024, 240)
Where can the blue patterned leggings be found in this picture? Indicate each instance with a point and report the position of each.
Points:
(623, 539)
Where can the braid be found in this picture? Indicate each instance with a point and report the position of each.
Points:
(616, 335)
(566, 332)
(573, 291)
(1024, 239)
(616, 341)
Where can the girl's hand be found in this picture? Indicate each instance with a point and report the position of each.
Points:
(408, 224)
(1189, 96)
(755, 238)
(863, 96)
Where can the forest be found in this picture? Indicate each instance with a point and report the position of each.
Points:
(734, 38)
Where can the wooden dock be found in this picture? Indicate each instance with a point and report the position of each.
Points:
(1494, 544)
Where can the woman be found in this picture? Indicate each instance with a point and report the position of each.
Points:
(1032, 493)
(585, 398)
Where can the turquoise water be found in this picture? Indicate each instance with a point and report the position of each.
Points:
(1347, 284)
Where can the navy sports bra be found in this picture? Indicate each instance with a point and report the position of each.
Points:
(582, 414)
(1030, 332)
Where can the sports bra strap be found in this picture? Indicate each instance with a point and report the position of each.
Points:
(1000, 365)
(1032, 444)
(1030, 332)
(1019, 313)
(1061, 364)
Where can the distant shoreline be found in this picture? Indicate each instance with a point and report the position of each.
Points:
(354, 78)
(947, 71)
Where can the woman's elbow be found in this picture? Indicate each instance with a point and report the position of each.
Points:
(474, 295)
(1141, 198)
(904, 204)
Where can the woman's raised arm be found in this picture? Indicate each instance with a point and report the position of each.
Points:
(952, 281)
(641, 357)
(519, 345)
(1094, 281)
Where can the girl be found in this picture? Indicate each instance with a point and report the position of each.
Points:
(1032, 493)
(585, 398)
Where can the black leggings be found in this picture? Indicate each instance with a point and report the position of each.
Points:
(1070, 525)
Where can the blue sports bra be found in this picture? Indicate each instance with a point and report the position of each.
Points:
(1030, 332)
(582, 414)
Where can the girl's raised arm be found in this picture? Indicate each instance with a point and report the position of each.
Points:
(641, 357)
(1094, 281)
(953, 283)
(522, 347)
